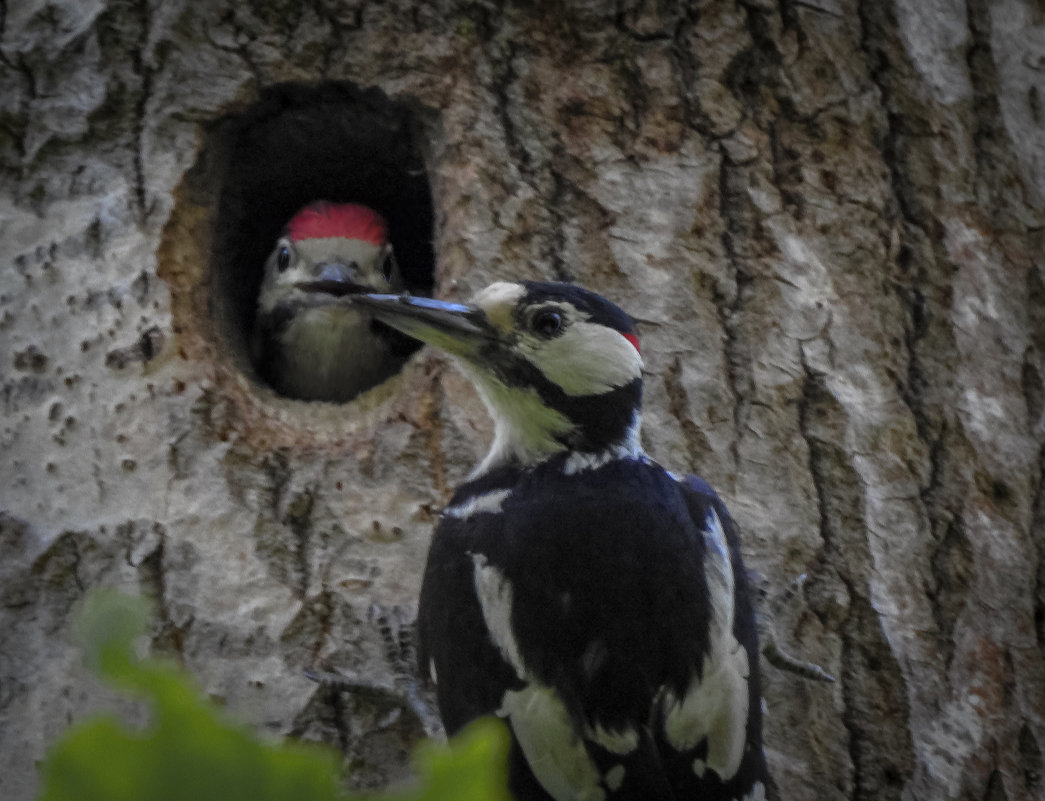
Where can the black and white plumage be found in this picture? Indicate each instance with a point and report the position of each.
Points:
(307, 343)
(574, 587)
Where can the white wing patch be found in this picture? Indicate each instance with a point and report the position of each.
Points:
(555, 753)
(715, 704)
(756, 793)
(487, 503)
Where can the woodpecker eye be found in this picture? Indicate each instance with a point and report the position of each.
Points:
(283, 258)
(547, 323)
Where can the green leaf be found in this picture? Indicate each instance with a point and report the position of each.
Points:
(189, 753)
(108, 625)
(473, 770)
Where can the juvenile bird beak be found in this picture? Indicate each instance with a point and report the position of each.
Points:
(334, 279)
(458, 329)
(336, 271)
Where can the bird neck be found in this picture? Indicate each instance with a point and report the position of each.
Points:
(526, 431)
(529, 432)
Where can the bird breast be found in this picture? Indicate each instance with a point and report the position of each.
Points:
(330, 353)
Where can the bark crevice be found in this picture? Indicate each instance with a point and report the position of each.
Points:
(880, 748)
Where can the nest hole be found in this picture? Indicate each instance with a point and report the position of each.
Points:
(302, 143)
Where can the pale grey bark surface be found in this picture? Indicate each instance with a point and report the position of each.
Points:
(827, 217)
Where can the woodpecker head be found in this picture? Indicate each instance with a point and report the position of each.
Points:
(557, 366)
(307, 342)
(328, 250)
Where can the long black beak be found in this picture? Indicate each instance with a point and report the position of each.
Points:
(453, 327)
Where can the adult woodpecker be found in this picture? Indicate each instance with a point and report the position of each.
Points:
(574, 587)
(307, 344)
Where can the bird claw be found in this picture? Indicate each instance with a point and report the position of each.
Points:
(397, 636)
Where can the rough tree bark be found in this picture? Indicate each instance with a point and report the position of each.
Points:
(827, 216)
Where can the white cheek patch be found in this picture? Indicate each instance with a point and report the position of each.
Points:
(588, 359)
(276, 285)
(715, 705)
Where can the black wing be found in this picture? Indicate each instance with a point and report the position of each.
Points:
(727, 760)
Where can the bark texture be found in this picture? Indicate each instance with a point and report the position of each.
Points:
(826, 215)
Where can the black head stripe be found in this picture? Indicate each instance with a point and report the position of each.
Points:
(601, 420)
(598, 308)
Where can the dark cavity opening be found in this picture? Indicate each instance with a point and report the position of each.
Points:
(301, 143)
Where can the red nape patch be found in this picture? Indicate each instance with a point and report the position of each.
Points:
(350, 220)
(634, 340)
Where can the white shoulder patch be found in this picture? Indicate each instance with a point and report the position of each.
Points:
(542, 725)
(487, 503)
(495, 599)
(715, 705)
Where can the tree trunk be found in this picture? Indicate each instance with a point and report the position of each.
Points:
(827, 216)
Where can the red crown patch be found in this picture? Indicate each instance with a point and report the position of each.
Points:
(350, 220)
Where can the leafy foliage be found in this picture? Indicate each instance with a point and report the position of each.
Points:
(188, 753)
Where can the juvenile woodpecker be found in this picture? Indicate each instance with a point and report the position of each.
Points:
(574, 587)
(307, 345)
